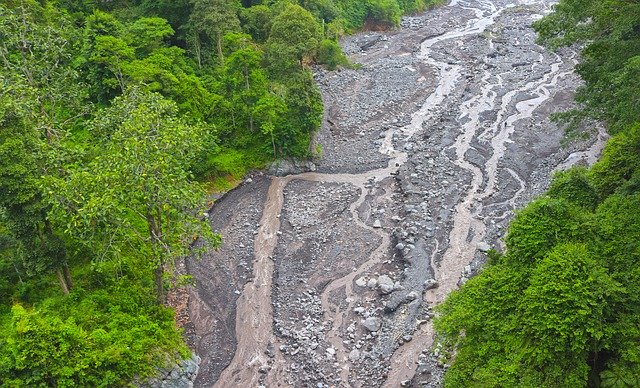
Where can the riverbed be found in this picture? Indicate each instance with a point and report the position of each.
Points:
(328, 278)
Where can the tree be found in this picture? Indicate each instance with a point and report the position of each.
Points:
(136, 200)
(295, 34)
(267, 109)
(148, 34)
(246, 82)
(610, 63)
(41, 100)
(113, 53)
(256, 21)
(383, 11)
(561, 307)
(209, 21)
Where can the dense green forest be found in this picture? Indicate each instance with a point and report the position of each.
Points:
(115, 118)
(561, 307)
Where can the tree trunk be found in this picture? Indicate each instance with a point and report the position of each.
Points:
(220, 49)
(67, 275)
(121, 80)
(198, 49)
(63, 283)
(18, 273)
(155, 232)
(158, 272)
(273, 142)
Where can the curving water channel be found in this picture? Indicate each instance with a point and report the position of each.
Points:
(473, 106)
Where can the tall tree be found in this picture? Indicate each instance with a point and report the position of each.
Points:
(610, 65)
(40, 102)
(136, 200)
(295, 34)
(209, 21)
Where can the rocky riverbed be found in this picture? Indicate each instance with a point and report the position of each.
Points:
(328, 278)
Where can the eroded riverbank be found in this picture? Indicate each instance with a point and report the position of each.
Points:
(328, 278)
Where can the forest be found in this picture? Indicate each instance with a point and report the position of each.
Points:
(561, 307)
(117, 118)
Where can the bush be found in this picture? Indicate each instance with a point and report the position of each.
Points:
(101, 338)
(538, 227)
(619, 160)
(331, 55)
(574, 186)
(384, 11)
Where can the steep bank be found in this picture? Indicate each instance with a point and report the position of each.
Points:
(427, 150)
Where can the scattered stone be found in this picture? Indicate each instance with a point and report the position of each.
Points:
(430, 283)
(412, 296)
(372, 323)
(354, 355)
(484, 247)
(386, 284)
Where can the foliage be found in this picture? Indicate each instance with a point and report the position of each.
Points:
(574, 186)
(560, 308)
(384, 11)
(611, 59)
(330, 54)
(294, 36)
(101, 338)
(137, 193)
(209, 21)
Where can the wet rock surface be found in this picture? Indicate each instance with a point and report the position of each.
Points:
(427, 151)
(179, 375)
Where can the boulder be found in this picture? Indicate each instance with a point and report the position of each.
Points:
(372, 323)
(385, 283)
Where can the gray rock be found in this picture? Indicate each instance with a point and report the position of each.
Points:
(361, 282)
(354, 355)
(181, 375)
(377, 224)
(372, 283)
(484, 247)
(412, 296)
(372, 323)
(284, 167)
(430, 283)
(386, 284)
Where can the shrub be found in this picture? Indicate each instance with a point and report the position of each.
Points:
(331, 55)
